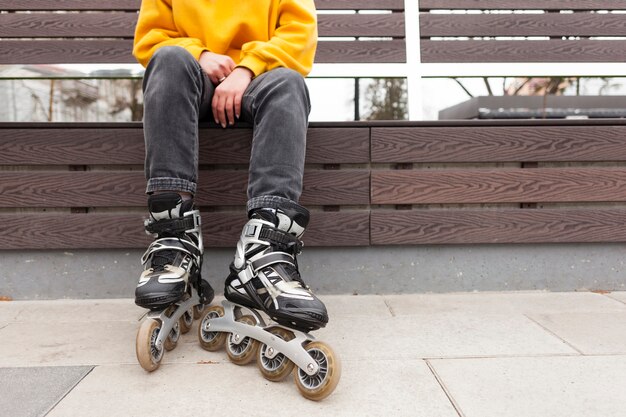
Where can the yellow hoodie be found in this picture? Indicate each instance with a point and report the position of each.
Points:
(257, 34)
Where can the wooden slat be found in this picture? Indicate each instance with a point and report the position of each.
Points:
(122, 25)
(40, 5)
(119, 52)
(551, 24)
(523, 5)
(523, 51)
(361, 25)
(359, 4)
(420, 227)
(125, 231)
(499, 186)
(134, 4)
(126, 189)
(501, 144)
(125, 146)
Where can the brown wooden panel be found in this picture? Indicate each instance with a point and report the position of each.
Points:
(524, 51)
(359, 4)
(361, 52)
(69, 4)
(71, 25)
(419, 227)
(126, 189)
(550, 24)
(499, 186)
(125, 231)
(361, 25)
(125, 146)
(66, 52)
(134, 4)
(523, 5)
(501, 144)
(119, 51)
(122, 25)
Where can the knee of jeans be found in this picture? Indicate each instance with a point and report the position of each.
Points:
(172, 61)
(291, 83)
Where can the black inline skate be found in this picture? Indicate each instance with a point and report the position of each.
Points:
(170, 286)
(264, 276)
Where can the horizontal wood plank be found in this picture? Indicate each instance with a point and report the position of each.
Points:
(127, 189)
(125, 230)
(525, 5)
(428, 227)
(550, 24)
(101, 51)
(122, 25)
(523, 51)
(125, 146)
(498, 144)
(39, 5)
(499, 186)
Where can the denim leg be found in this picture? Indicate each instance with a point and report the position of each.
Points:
(176, 93)
(277, 104)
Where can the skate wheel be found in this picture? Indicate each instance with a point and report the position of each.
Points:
(148, 355)
(211, 341)
(277, 368)
(245, 351)
(323, 383)
(186, 321)
(198, 310)
(172, 338)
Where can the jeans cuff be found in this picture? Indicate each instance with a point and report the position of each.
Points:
(270, 201)
(170, 184)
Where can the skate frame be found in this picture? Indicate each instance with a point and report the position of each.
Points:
(168, 322)
(292, 349)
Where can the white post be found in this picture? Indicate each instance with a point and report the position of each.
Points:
(413, 67)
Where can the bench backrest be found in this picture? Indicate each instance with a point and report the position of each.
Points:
(101, 31)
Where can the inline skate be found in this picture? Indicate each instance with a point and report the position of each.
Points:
(170, 286)
(264, 276)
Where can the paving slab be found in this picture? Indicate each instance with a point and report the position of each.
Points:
(618, 295)
(374, 388)
(590, 333)
(32, 392)
(441, 335)
(72, 311)
(500, 303)
(536, 387)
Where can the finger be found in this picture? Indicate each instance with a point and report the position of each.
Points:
(238, 105)
(214, 107)
(221, 115)
(230, 110)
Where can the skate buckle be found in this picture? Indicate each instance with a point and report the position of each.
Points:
(246, 274)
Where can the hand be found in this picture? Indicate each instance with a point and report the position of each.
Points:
(216, 66)
(226, 103)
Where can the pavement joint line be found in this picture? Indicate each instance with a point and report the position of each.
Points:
(614, 299)
(393, 313)
(443, 386)
(555, 335)
(69, 390)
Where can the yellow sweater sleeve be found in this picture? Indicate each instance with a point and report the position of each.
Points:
(293, 43)
(156, 28)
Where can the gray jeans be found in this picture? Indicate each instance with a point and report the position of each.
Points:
(177, 96)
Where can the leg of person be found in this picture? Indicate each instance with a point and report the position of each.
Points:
(176, 94)
(264, 273)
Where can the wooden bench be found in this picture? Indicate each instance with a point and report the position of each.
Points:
(66, 186)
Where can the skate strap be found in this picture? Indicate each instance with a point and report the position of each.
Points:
(280, 238)
(266, 260)
(171, 226)
(172, 243)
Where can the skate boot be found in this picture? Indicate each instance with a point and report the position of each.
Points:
(170, 286)
(264, 274)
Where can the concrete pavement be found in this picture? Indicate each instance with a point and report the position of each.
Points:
(433, 355)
